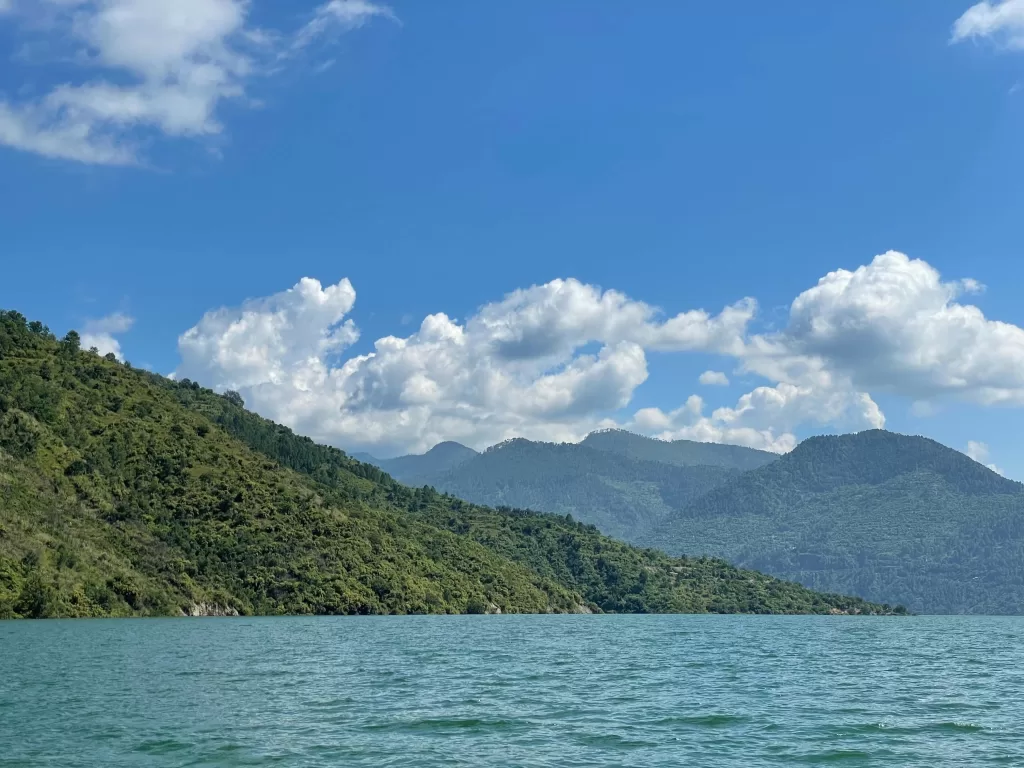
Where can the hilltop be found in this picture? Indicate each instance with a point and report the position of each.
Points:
(126, 493)
(622, 483)
(623, 497)
(682, 453)
(420, 469)
(882, 515)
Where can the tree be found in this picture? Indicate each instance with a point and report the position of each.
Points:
(234, 398)
(71, 342)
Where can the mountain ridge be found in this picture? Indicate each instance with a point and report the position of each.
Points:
(878, 513)
(620, 495)
(679, 452)
(413, 468)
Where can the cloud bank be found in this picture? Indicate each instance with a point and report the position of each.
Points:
(558, 360)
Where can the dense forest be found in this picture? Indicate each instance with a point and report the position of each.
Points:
(888, 517)
(422, 469)
(682, 453)
(622, 497)
(885, 516)
(125, 493)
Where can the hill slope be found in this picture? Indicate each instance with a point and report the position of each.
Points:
(419, 469)
(682, 453)
(881, 515)
(621, 496)
(123, 493)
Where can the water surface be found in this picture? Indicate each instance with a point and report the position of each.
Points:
(644, 691)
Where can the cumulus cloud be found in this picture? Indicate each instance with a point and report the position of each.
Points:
(894, 325)
(766, 417)
(688, 422)
(891, 326)
(151, 68)
(522, 366)
(100, 333)
(1001, 21)
(980, 453)
(517, 367)
(714, 379)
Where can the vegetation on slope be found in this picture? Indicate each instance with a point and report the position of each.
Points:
(885, 516)
(420, 469)
(681, 453)
(622, 497)
(123, 493)
(116, 501)
(611, 575)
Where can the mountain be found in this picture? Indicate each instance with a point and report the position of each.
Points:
(125, 493)
(885, 516)
(621, 496)
(417, 469)
(682, 453)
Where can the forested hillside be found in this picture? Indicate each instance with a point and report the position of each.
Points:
(621, 496)
(885, 516)
(124, 493)
(682, 453)
(421, 469)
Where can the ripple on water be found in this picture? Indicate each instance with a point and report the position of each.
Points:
(524, 691)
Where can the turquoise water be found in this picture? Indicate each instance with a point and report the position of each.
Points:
(644, 691)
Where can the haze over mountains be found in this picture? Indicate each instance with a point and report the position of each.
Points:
(888, 517)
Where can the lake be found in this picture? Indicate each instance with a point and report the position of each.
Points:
(643, 691)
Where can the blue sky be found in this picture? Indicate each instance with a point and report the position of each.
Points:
(443, 155)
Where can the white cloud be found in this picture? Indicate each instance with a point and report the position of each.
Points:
(688, 422)
(894, 325)
(155, 67)
(515, 368)
(338, 16)
(100, 333)
(283, 339)
(1002, 21)
(714, 379)
(765, 418)
(547, 321)
(522, 366)
(980, 453)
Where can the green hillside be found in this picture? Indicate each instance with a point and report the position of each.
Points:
(124, 493)
(622, 497)
(885, 516)
(682, 453)
(420, 469)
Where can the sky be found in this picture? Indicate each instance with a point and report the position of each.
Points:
(392, 225)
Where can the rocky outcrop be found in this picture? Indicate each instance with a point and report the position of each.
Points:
(208, 609)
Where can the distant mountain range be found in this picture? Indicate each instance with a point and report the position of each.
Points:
(683, 453)
(598, 481)
(888, 517)
(873, 514)
(422, 467)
